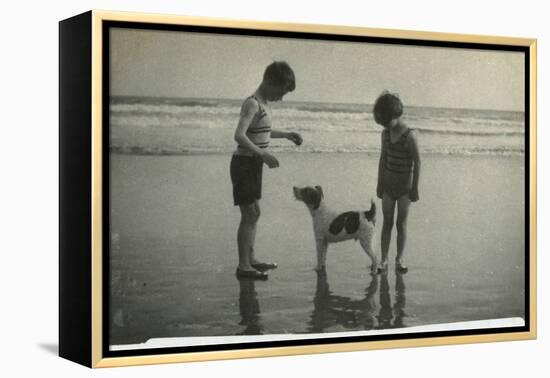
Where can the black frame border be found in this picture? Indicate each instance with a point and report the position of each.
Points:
(75, 197)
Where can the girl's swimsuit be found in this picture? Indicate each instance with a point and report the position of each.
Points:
(398, 166)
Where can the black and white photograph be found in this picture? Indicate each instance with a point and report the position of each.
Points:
(275, 188)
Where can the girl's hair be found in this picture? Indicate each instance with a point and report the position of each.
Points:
(388, 106)
(280, 74)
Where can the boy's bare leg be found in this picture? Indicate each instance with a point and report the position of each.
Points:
(254, 262)
(246, 235)
(388, 210)
(253, 234)
(402, 213)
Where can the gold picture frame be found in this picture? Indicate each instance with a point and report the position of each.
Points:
(83, 136)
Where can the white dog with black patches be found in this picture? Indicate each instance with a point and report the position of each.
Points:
(332, 227)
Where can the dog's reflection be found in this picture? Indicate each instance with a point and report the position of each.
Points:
(249, 308)
(391, 316)
(335, 310)
(331, 310)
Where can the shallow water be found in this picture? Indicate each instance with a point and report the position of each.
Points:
(173, 248)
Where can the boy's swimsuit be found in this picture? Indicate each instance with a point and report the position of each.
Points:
(259, 131)
(398, 165)
(246, 168)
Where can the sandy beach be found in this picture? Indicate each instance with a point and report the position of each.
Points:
(173, 248)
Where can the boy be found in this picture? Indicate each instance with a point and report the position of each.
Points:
(252, 135)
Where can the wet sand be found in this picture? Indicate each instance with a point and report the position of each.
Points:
(173, 248)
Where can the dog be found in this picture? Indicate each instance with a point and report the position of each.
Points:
(330, 226)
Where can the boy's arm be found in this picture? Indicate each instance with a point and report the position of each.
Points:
(381, 164)
(248, 110)
(292, 136)
(413, 146)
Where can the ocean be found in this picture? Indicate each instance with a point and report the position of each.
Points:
(178, 126)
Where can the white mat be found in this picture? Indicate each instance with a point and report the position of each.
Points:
(167, 342)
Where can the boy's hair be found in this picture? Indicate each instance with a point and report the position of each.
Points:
(388, 106)
(280, 74)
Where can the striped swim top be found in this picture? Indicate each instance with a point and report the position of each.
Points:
(398, 158)
(259, 131)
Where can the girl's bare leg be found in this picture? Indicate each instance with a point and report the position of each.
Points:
(402, 213)
(388, 210)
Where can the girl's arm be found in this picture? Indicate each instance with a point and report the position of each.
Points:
(413, 146)
(248, 110)
(381, 164)
(294, 137)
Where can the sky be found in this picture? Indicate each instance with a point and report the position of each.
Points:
(197, 65)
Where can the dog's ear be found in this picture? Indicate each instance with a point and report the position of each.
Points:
(316, 196)
(320, 190)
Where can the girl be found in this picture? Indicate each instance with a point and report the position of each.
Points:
(398, 174)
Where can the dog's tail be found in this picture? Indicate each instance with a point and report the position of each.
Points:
(371, 214)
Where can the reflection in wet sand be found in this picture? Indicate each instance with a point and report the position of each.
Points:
(172, 275)
(391, 317)
(400, 301)
(330, 310)
(249, 308)
(335, 310)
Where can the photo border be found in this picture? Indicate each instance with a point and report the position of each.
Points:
(102, 21)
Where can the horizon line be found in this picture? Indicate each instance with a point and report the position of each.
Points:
(316, 102)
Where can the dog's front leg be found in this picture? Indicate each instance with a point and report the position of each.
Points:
(322, 246)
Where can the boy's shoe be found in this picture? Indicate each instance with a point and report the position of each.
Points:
(261, 266)
(250, 275)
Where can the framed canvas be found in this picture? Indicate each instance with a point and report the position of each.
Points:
(415, 150)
